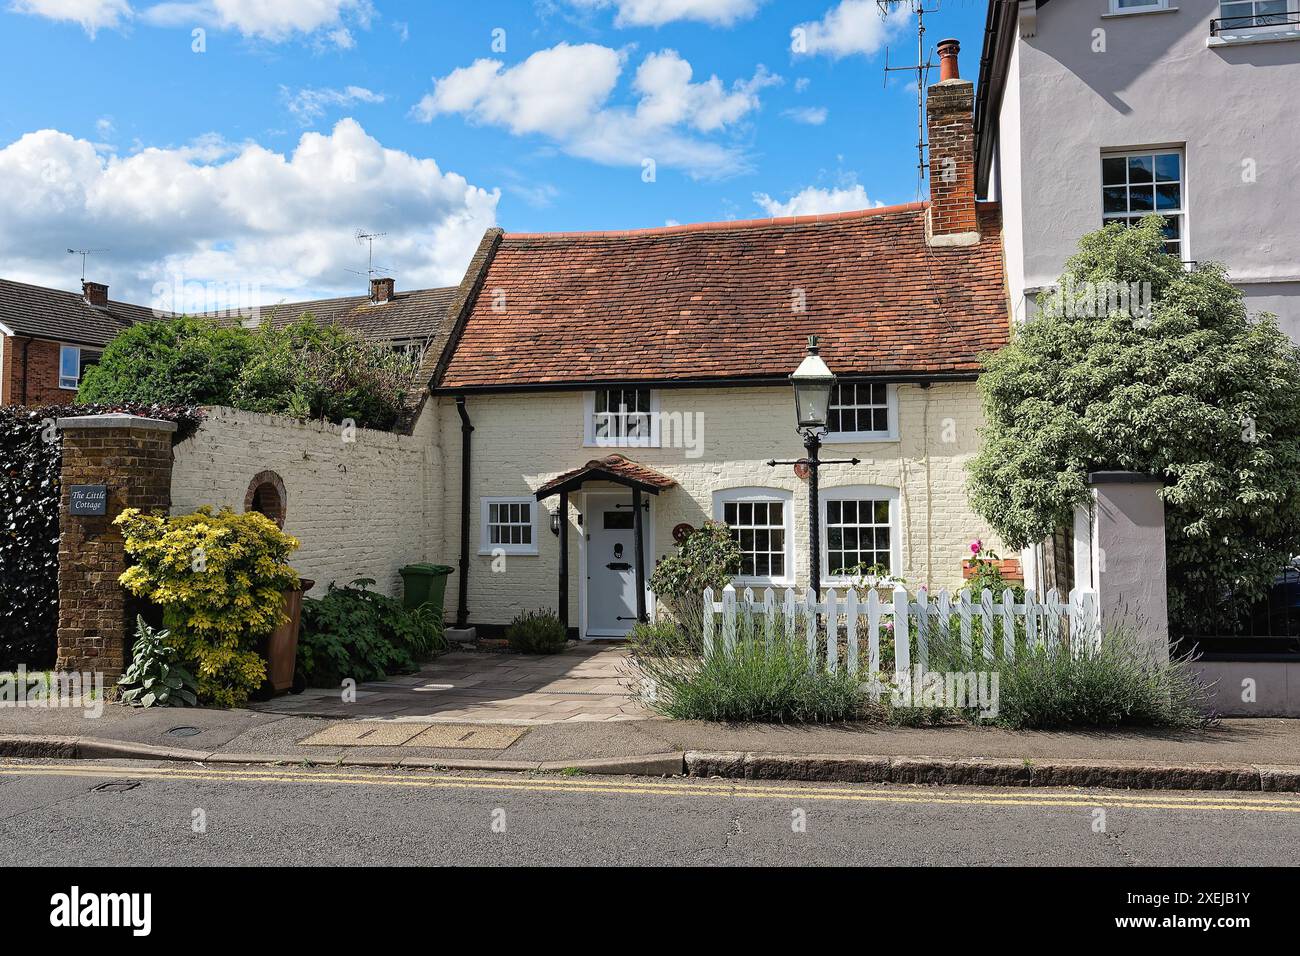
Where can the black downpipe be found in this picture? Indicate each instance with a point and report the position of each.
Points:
(466, 430)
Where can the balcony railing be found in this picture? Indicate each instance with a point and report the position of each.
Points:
(1260, 22)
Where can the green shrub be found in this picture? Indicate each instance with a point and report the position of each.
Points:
(324, 372)
(219, 578)
(761, 679)
(1194, 391)
(537, 632)
(708, 558)
(180, 361)
(304, 369)
(353, 632)
(1117, 684)
(155, 678)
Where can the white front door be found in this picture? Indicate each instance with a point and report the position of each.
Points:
(610, 582)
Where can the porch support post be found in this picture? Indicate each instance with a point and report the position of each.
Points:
(564, 560)
(640, 555)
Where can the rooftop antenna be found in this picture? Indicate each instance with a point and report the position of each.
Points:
(83, 253)
(922, 69)
(369, 237)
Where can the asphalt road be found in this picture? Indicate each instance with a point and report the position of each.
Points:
(62, 813)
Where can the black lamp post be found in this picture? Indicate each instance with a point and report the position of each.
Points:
(813, 383)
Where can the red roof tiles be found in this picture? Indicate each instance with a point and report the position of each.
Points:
(734, 300)
(610, 468)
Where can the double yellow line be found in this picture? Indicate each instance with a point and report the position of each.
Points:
(863, 793)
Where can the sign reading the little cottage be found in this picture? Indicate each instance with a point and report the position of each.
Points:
(88, 500)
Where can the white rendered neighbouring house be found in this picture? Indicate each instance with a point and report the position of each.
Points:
(1093, 111)
(586, 374)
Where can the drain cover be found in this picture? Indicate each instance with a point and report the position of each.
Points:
(184, 731)
(117, 786)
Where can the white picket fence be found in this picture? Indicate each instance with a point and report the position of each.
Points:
(1047, 622)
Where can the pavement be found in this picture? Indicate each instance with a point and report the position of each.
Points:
(481, 711)
(587, 683)
(177, 814)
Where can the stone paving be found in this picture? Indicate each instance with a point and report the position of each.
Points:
(586, 683)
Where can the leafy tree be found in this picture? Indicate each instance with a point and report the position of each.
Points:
(1191, 390)
(180, 361)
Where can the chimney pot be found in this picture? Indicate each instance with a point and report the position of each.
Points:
(948, 70)
(381, 290)
(96, 293)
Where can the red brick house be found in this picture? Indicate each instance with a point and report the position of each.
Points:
(49, 336)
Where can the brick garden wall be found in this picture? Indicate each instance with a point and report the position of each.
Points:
(359, 508)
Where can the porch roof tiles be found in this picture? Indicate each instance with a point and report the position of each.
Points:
(733, 301)
(613, 468)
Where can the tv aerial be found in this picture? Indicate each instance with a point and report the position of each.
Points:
(921, 68)
(368, 237)
(83, 253)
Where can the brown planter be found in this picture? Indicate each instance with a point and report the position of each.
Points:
(282, 646)
(1010, 568)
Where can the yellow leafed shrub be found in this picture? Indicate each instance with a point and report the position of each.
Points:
(218, 578)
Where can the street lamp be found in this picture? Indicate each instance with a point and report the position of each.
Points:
(813, 383)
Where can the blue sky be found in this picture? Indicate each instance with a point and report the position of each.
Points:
(251, 161)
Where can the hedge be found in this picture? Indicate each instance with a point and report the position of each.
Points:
(30, 456)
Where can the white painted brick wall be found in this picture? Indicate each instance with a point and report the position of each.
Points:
(359, 509)
(522, 441)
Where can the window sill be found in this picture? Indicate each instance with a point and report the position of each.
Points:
(68, 388)
(1137, 13)
(758, 584)
(620, 446)
(1246, 39)
(858, 438)
(508, 552)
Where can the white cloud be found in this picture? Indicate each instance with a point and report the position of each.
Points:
(273, 20)
(811, 115)
(853, 26)
(655, 13)
(92, 15)
(563, 93)
(813, 201)
(308, 105)
(214, 212)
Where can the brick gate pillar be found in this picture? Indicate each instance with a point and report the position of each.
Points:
(130, 459)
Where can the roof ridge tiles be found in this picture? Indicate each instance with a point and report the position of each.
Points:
(725, 225)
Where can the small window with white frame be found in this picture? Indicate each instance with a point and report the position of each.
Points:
(73, 362)
(1137, 6)
(622, 417)
(509, 526)
(1138, 184)
(1252, 17)
(862, 411)
(761, 522)
(861, 533)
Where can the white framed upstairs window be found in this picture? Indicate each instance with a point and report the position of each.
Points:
(862, 411)
(73, 362)
(1137, 184)
(508, 526)
(1248, 18)
(762, 523)
(1137, 6)
(622, 417)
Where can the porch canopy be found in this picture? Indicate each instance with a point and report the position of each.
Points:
(620, 471)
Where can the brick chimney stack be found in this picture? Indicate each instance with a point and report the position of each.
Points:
(381, 290)
(950, 115)
(96, 293)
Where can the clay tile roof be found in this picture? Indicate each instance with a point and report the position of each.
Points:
(615, 468)
(734, 300)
